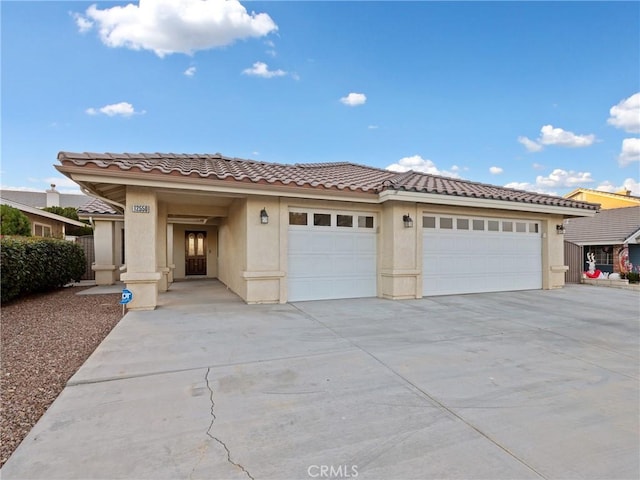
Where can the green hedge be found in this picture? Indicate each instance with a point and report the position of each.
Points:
(38, 264)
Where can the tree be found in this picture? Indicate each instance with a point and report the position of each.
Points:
(14, 222)
(72, 213)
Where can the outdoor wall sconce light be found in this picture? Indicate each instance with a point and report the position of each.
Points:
(264, 218)
(559, 229)
(408, 221)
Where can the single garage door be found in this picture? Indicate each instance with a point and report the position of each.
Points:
(473, 254)
(332, 254)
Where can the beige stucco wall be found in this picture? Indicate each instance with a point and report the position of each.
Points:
(232, 247)
(179, 248)
(263, 274)
(400, 274)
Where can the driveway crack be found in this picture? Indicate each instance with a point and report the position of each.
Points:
(213, 437)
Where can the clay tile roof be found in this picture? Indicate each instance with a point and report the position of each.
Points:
(97, 207)
(422, 182)
(341, 175)
(337, 175)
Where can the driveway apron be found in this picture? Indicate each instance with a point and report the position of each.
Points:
(517, 385)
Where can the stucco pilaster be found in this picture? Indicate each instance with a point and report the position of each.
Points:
(141, 226)
(170, 260)
(553, 265)
(161, 247)
(103, 241)
(401, 252)
(264, 274)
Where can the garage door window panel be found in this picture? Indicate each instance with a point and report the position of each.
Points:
(322, 219)
(344, 221)
(297, 218)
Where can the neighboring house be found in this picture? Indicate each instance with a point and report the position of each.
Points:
(613, 236)
(607, 200)
(43, 224)
(276, 232)
(48, 198)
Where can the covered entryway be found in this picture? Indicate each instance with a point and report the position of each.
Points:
(332, 254)
(465, 254)
(195, 253)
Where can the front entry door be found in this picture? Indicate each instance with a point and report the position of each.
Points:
(196, 253)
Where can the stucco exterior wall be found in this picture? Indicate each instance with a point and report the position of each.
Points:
(232, 260)
(263, 273)
(400, 274)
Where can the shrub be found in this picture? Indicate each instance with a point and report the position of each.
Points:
(32, 265)
(633, 277)
(71, 213)
(13, 222)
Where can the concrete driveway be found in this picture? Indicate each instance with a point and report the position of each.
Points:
(536, 384)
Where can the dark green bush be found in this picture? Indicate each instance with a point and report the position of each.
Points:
(633, 277)
(13, 221)
(36, 264)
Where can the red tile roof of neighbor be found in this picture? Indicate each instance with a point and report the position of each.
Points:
(340, 175)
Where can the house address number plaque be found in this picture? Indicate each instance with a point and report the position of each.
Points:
(140, 208)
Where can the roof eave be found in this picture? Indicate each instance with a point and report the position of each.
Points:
(86, 178)
(443, 199)
(633, 238)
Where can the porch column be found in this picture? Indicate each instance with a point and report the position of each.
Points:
(140, 223)
(170, 262)
(161, 246)
(103, 244)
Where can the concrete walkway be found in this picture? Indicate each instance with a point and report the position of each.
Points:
(537, 384)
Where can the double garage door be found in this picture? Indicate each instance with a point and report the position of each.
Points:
(465, 254)
(332, 254)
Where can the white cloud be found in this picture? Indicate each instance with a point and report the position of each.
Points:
(123, 109)
(529, 144)
(496, 170)
(538, 166)
(190, 72)
(83, 23)
(260, 69)
(529, 187)
(563, 138)
(373, 127)
(354, 99)
(170, 26)
(558, 178)
(564, 178)
(630, 151)
(419, 164)
(626, 114)
(629, 184)
(549, 135)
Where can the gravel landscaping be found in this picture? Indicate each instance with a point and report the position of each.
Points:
(45, 338)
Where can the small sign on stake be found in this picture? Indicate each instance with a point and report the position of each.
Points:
(127, 296)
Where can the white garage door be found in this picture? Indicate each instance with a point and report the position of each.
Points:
(474, 254)
(332, 254)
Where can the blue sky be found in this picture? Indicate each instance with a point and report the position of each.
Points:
(543, 96)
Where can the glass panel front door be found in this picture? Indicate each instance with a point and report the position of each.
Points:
(195, 253)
